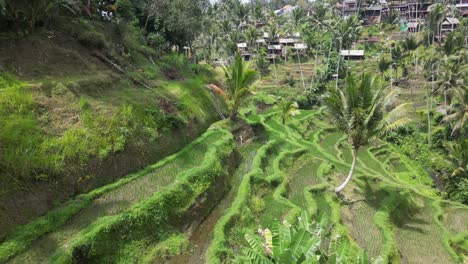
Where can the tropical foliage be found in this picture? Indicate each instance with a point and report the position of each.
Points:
(359, 111)
(288, 109)
(239, 80)
(303, 242)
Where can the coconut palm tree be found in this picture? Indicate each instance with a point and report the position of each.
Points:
(288, 108)
(458, 111)
(397, 57)
(346, 32)
(359, 111)
(450, 77)
(239, 78)
(435, 18)
(409, 45)
(383, 65)
(294, 25)
(251, 37)
(272, 35)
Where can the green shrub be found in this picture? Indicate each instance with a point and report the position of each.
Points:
(257, 204)
(172, 246)
(125, 9)
(93, 40)
(21, 139)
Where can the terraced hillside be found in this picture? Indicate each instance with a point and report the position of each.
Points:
(157, 194)
(180, 209)
(294, 172)
(186, 208)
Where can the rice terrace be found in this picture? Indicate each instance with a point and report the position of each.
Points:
(233, 131)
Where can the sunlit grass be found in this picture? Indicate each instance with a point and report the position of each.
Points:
(117, 201)
(419, 240)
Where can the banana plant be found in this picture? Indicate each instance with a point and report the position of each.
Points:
(304, 242)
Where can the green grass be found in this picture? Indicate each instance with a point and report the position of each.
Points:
(358, 218)
(218, 252)
(294, 170)
(111, 200)
(147, 220)
(330, 141)
(302, 173)
(419, 239)
(455, 219)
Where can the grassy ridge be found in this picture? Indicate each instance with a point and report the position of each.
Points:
(22, 237)
(217, 252)
(147, 219)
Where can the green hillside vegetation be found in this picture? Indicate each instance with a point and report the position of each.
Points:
(84, 103)
(177, 132)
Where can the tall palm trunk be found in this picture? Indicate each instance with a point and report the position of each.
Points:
(274, 64)
(338, 66)
(234, 111)
(351, 171)
(300, 69)
(428, 117)
(314, 71)
(328, 57)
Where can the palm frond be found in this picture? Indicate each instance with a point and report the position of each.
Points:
(396, 118)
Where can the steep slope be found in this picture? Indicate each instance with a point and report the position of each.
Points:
(91, 103)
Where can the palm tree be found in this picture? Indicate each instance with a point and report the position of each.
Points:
(397, 57)
(251, 36)
(435, 18)
(359, 111)
(458, 156)
(294, 26)
(272, 34)
(383, 65)
(450, 77)
(409, 45)
(288, 108)
(239, 78)
(346, 32)
(458, 111)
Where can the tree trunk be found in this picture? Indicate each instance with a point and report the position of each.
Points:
(233, 115)
(300, 69)
(428, 117)
(276, 76)
(351, 171)
(338, 66)
(328, 57)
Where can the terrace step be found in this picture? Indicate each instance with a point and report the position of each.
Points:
(119, 199)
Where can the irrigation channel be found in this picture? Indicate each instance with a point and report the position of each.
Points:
(290, 168)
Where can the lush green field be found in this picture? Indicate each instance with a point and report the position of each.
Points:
(390, 209)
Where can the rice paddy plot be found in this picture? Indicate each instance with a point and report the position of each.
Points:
(359, 219)
(371, 162)
(116, 201)
(419, 239)
(301, 173)
(267, 163)
(456, 219)
(304, 114)
(273, 210)
(330, 140)
(202, 235)
(346, 153)
(395, 164)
